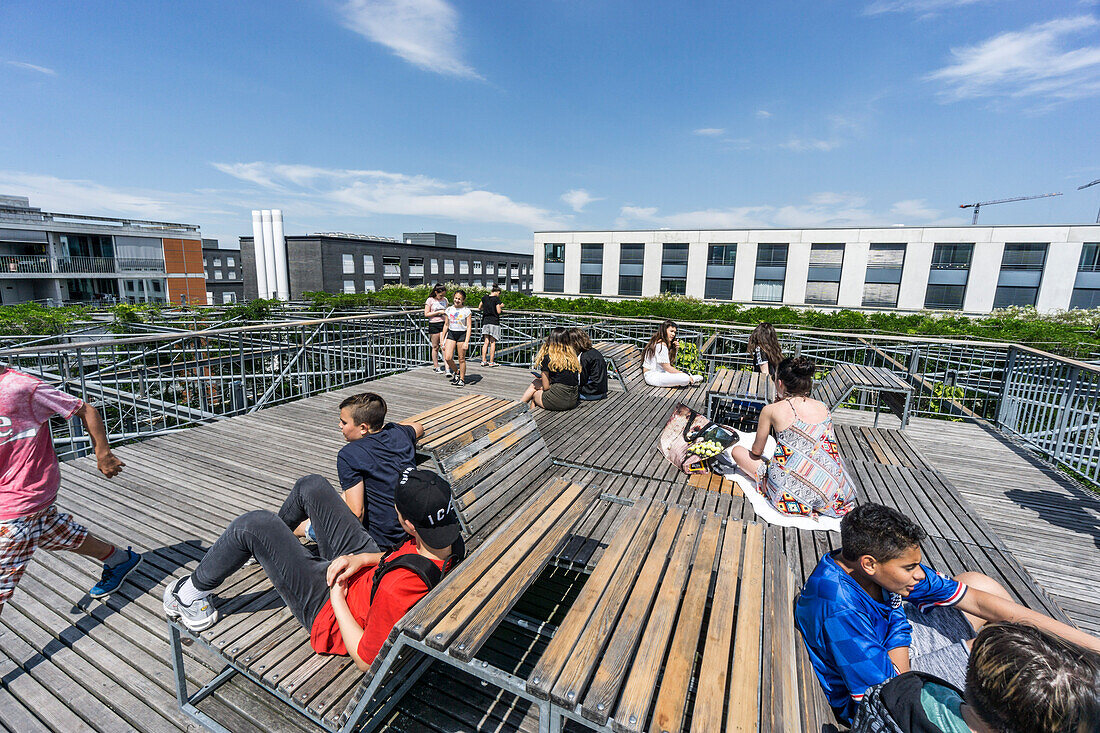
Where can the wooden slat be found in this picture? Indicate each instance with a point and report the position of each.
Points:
(745, 671)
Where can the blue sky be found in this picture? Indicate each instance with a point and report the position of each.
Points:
(494, 119)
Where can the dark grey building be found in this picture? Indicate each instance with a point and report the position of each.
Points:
(347, 263)
(223, 270)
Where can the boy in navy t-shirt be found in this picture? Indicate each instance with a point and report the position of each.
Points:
(370, 465)
(858, 631)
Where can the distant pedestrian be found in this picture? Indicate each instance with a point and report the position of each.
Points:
(490, 326)
(31, 477)
(765, 350)
(458, 338)
(435, 308)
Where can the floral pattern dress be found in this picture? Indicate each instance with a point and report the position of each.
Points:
(806, 476)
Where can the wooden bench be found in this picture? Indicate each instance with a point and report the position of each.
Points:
(844, 379)
(491, 452)
(744, 393)
(639, 651)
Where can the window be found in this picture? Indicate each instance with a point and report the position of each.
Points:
(630, 284)
(130, 286)
(230, 262)
(948, 276)
(368, 286)
(722, 255)
(883, 278)
(209, 298)
(591, 254)
(631, 263)
(156, 286)
(217, 274)
(463, 267)
(554, 282)
(391, 267)
(502, 270)
(435, 266)
(632, 254)
(771, 270)
(368, 264)
(489, 269)
(591, 284)
(349, 267)
(823, 277)
(349, 287)
(1021, 274)
(477, 283)
(1086, 290)
(416, 267)
(448, 267)
(477, 267)
(231, 275)
(674, 258)
(555, 252)
(217, 262)
(206, 273)
(229, 297)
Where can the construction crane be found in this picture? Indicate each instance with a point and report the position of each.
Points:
(1079, 188)
(980, 204)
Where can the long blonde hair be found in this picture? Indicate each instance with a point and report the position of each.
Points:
(561, 356)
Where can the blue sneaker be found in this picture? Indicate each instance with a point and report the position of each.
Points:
(112, 577)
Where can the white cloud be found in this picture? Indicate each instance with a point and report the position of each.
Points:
(422, 32)
(578, 198)
(1037, 62)
(33, 67)
(358, 192)
(80, 196)
(826, 208)
(925, 8)
(710, 131)
(763, 114)
(803, 145)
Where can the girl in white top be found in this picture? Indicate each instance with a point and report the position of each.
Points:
(658, 357)
(434, 308)
(458, 338)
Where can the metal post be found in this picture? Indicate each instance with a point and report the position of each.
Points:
(1002, 406)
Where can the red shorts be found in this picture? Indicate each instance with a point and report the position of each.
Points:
(20, 537)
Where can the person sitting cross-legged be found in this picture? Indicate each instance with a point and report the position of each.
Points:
(872, 610)
(333, 595)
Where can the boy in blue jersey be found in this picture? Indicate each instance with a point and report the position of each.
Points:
(859, 632)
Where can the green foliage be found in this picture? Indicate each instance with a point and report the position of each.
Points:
(254, 310)
(941, 391)
(1071, 333)
(31, 319)
(124, 318)
(688, 359)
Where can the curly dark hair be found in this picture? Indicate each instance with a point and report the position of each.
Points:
(1020, 679)
(797, 375)
(879, 531)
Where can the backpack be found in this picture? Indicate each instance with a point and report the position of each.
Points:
(894, 706)
(424, 568)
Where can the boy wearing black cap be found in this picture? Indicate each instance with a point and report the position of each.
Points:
(335, 596)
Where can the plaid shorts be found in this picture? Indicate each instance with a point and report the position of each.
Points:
(20, 537)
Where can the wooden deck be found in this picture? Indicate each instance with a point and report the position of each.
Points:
(68, 663)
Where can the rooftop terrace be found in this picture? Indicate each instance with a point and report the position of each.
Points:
(70, 663)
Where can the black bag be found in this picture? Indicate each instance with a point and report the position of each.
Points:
(422, 566)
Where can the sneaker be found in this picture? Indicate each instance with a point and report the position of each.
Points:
(493, 364)
(459, 383)
(454, 378)
(484, 363)
(112, 577)
(439, 370)
(199, 616)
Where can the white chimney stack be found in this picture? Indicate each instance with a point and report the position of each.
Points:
(269, 253)
(278, 243)
(261, 257)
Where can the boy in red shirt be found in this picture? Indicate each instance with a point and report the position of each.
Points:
(30, 477)
(334, 595)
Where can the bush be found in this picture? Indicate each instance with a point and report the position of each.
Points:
(31, 319)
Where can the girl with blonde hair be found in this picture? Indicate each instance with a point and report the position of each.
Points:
(558, 385)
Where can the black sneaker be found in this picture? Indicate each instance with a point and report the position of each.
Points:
(458, 383)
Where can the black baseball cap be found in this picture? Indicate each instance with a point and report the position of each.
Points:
(424, 498)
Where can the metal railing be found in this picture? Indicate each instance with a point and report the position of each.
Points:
(86, 264)
(153, 384)
(150, 385)
(130, 264)
(24, 263)
(1053, 405)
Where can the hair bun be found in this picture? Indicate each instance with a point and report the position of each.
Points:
(804, 366)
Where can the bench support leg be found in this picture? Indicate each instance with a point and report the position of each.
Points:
(420, 666)
(187, 704)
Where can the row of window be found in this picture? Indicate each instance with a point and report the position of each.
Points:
(1018, 284)
(227, 297)
(229, 274)
(391, 267)
(217, 261)
(369, 287)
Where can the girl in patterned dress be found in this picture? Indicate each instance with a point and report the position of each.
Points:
(805, 476)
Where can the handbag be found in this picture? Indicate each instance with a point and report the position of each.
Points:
(685, 427)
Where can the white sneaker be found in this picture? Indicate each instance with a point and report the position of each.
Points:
(439, 370)
(199, 616)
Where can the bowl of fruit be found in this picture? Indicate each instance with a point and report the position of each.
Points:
(706, 448)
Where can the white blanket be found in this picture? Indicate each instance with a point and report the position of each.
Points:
(763, 508)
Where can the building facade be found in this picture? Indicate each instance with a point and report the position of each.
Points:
(345, 263)
(72, 258)
(973, 269)
(222, 269)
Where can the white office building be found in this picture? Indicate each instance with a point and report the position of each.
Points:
(973, 269)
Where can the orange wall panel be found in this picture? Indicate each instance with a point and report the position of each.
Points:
(182, 256)
(191, 288)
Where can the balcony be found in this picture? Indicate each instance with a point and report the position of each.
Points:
(143, 264)
(416, 270)
(87, 264)
(391, 271)
(13, 264)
